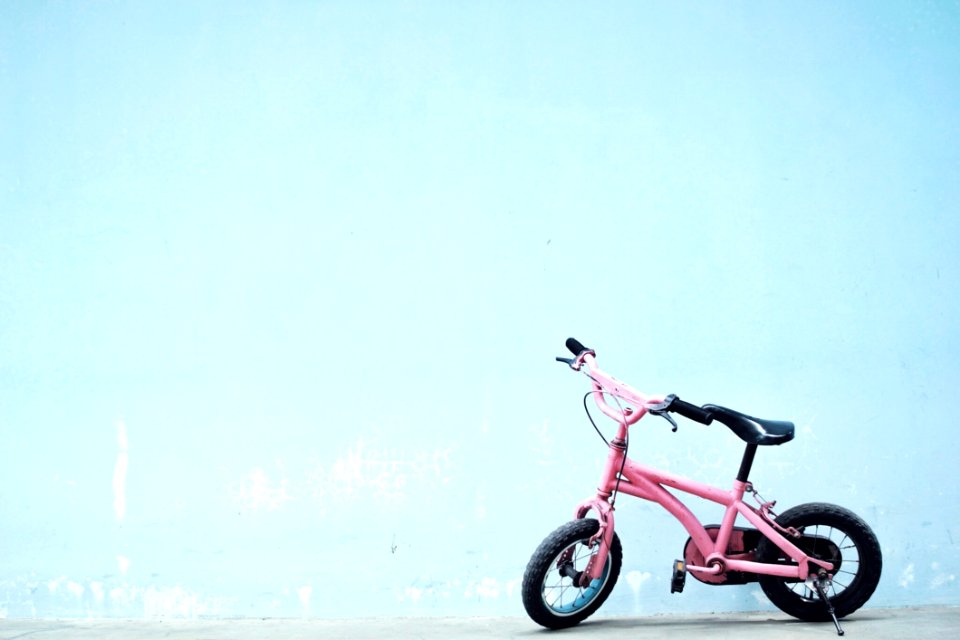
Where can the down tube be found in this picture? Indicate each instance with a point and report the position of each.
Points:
(640, 487)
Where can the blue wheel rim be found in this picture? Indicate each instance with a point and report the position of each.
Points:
(560, 595)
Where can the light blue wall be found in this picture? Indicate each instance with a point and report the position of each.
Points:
(280, 289)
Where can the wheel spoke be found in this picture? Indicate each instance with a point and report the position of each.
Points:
(561, 592)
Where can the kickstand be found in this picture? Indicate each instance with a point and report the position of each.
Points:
(818, 584)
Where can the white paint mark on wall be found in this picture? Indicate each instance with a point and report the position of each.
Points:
(486, 589)
(258, 491)
(385, 474)
(122, 597)
(172, 602)
(636, 579)
(906, 578)
(480, 507)
(120, 473)
(75, 588)
(304, 593)
(941, 579)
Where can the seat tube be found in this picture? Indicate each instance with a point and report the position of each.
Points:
(747, 462)
(739, 487)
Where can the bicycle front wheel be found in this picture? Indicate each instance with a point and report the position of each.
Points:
(551, 592)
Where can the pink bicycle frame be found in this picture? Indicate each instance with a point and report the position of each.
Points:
(623, 475)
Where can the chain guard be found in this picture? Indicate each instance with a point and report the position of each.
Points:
(743, 543)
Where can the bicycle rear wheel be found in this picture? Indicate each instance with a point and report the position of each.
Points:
(833, 534)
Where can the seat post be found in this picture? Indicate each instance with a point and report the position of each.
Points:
(747, 462)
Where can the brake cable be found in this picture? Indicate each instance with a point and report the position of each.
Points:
(626, 442)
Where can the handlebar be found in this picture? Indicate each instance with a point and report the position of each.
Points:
(576, 348)
(604, 384)
(638, 403)
(690, 411)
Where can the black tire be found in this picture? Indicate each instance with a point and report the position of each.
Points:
(833, 534)
(549, 596)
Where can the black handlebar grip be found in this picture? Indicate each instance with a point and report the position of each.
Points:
(690, 411)
(575, 347)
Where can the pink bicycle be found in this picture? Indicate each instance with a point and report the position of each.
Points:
(816, 561)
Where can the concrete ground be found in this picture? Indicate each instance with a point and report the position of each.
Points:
(873, 624)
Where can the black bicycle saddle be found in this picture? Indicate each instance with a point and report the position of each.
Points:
(752, 430)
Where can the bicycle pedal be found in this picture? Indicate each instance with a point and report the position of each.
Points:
(679, 576)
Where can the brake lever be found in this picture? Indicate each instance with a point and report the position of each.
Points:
(567, 361)
(669, 418)
(661, 409)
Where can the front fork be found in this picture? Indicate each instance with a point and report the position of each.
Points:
(603, 537)
(602, 505)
